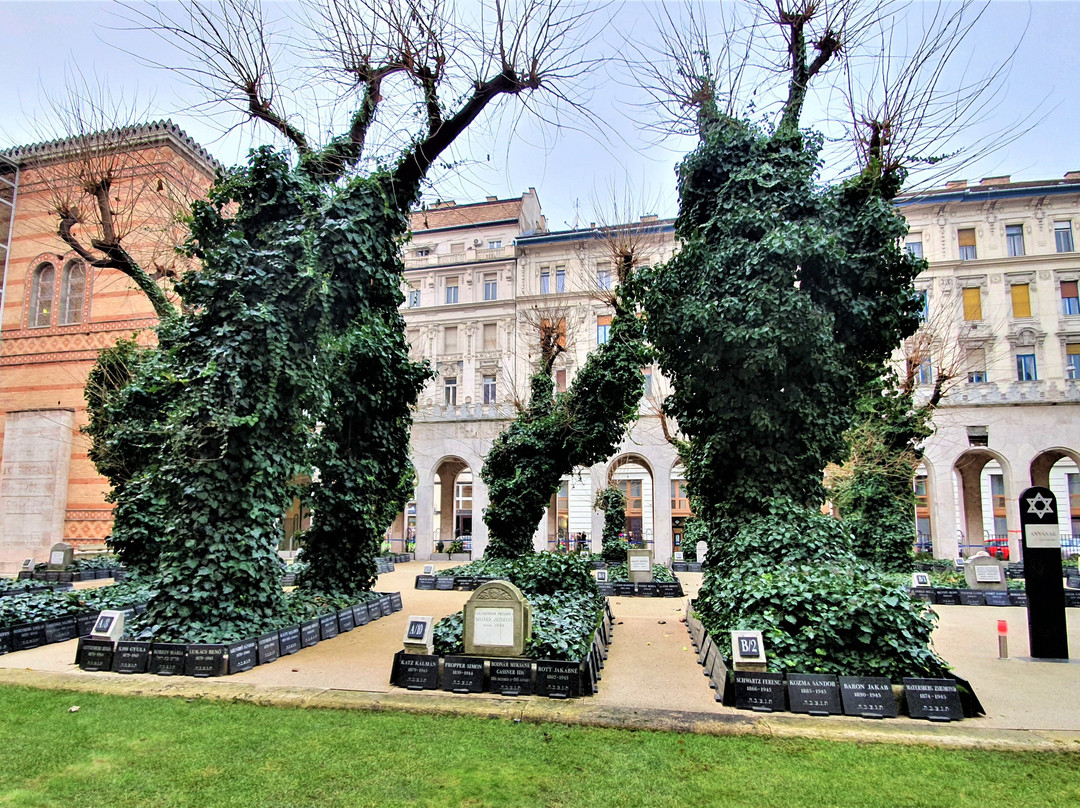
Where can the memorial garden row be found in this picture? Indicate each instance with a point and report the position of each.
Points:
(944, 596)
(465, 583)
(101, 652)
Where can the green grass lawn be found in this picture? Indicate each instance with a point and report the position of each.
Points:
(118, 751)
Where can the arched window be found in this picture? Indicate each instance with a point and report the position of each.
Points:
(42, 291)
(72, 293)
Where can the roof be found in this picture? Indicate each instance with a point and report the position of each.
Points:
(992, 188)
(125, 136)
(651, 227)
(448, 215)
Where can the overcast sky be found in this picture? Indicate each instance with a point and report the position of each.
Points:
(576, 167)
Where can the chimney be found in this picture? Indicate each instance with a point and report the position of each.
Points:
(1072, 175)
(955, 185)
(492, 199)
(649, 217)
(1004, 180)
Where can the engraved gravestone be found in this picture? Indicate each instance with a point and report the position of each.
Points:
(984, 572)
(463, 674)
(131, 656)
(868, 696)
(639, 564)
(415, 671)
(759, 691)
(510, 677)
(813, 693)
(61, 555)
(205, 660)
(243, 655)
(933, 699)
(289, 640)
(498, 620)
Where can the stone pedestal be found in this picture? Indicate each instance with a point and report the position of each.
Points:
(639, 564)
(498, 621)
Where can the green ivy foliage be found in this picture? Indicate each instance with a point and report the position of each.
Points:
(612, 503)
(557, 434)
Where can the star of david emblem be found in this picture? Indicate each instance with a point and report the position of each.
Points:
(1040, 506)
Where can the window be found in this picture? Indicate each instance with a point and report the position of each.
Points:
(560, 279)
(1063, 236)
(72, 293)
(603, 328)
(921, 370)
(1014, 239)
(450, 339)
(491, 337)
(42, 290)
(647, 374)
(1070, 299)
(976, 366)
(997, 497)
(972, 303)
(680, 499)
(495, 244)
(924, 308)
(414, 298)
(451, 290)
(491, 286)
(966, 239)
(1072, 360)
(450, 391)
(1021, 299)
(423, 252)
(1025, 368)
(545, 281)
(560, 381)
(489, 389)
(603, 279)
(914, 245)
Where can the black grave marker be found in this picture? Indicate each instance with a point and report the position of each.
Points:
(933, 699)
(813, 693)
(345, 620)
(5, 640)
(328, 626)
(463, 674)
(1018, 598)
(606, 589)
(923, 593)
(360, 614)
(947, 597)
(624, 589)
(205, 660)
(1042, 578)
(243, 655)
(678, 566)
(62, 629)
(647, 589)
(997, 597)
(669, 589)
(415, 671)
(510, 677)
(759, 691)
(1072, 599)
(425, 581)
(309, 633)
(289, 640)
(395, 601)
(86, 622)
(167, 658)
(28, 635)
(463, 583)
(558, 680)
(868, 696)
(972, 597)
(269, 647)
(444, 583)
(131, 657)
(386, 604)
(94, 654)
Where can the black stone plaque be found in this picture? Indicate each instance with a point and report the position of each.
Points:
(94, 654)
(289, 640)
(328, 626)
(269, 647)
(52, 577)
(933, 699)
(395, 601)
(5, 640)
(647, 589)
(813, 693)
(1047, 631)
(85, 622)
(606, 589)
(463, 583)
(66, 577)
(103, 574)
(167, 658)
(669, 589)
(1018, 598)
(345, 620)
(374, 610)
(558, 680)
(463, 674)
(759, 691)
(360, 614)
(947, 597)
(693, 566)
(599, 564)
(1072, 599)
(131, 657)
(624, 589)
(972, 597)
(62, 629)
(425, 581)
(923, 593)
(28, 635)
(243, 655)
(205, 660)
(997, 597)
(868, 696)
(444, 583)
(415, 671)
(309, 633)
(678, 566)
(386, 605)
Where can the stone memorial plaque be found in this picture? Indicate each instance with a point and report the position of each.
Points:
(558, 680)
(693, 566)
(923, 593)
(131, 657)
(625, 589)
(52, 577)
(62, 629)
(415, 671)
(599, 564)
(678, 566)
(269, 647)
(374, 610)
(747, 651)
(463, 674)
(639, 564)
(1018, 598)
(360, 614)
(510, 677)
(813, 693)
(243, 655)
(289, 640)
(498, 621)
(463, 583)
(5, 640)
(25, 636)
(94, 654)
(947, 597)
(647, 590)
(167, 658)
(933, 699)
(677, 556)
(920, 579)
(386, 604)
(425, 582)
(418, 634)
(669, 589)
(1072, 579)
(998, 598)
(395, 601)
(345, 620)
(759, 691)
(972, 597)
(429, 569)
(205, 660)
(606, 589)
(987, 573)
(61, 555)
(86, 622)
(328, 626)
(309, 633)
(1072, 600)
(444, 583)
(868, 696)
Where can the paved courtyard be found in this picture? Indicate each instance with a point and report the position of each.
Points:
(651, 679)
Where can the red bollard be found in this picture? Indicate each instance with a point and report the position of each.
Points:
(1003, 639)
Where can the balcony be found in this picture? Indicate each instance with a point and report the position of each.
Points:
(468, 256)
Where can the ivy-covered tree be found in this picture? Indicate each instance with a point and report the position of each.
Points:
(612, 503)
